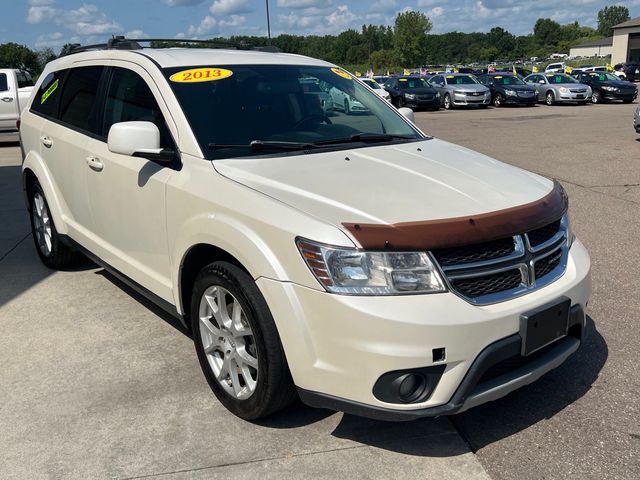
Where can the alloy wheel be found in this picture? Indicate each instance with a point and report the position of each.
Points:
(595, 97)
(228, 342)
(550, 98)
(497, 101)
(42, 224)
(447, 102)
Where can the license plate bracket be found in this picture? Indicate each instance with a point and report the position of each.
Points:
(544, 325)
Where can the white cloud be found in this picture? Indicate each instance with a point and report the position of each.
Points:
(340, 18)
(84, 20)
(236, 21)
(206, 26)
(230, 7)
(137, 33)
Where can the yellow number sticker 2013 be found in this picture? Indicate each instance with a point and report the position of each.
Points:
(341, 73)
(200, 75)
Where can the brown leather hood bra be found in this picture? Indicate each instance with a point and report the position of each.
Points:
(454, 232)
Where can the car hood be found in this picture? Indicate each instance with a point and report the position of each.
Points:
(517, 88)
(415, 181)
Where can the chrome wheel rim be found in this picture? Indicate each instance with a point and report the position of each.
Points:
(549, 98)
(228, 342)
(41, 224)
(447, 102)
(595, 97)
(497, 101)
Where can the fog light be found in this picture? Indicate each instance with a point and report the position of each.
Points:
(410, 386)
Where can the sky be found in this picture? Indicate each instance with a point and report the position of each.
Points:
(52, 23)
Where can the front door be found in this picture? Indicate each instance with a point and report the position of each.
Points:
(127, 194)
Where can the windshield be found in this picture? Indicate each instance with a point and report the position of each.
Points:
(603, 77)
(409, 83)
(460, 80)
(560, 78)
(249, 110)
(507, 80)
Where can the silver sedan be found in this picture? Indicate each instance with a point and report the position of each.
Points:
(457, 89)
(559, 88)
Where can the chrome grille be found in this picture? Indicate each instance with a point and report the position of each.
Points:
(525, 94)
(578, 90)
(502, 269)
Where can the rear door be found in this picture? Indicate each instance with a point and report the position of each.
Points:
(64, 138)
(127, 194)
(8, 103)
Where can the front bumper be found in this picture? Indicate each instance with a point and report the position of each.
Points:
(462, 100)
(518, 100)
(613, 96)
(573, 97)
(338, 346)
(419, 103)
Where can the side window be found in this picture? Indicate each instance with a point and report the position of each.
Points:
(78, 103)
(130, 99)
(4, 85)
(46, 99)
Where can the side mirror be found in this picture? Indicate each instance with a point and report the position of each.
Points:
(138, 139)
(541, 82)
(408, 114)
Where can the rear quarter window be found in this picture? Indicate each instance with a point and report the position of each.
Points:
(46, 100)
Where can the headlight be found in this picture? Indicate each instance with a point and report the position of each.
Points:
(437, 94)
(564, 90)
(356, 272)
(609, 89)
(459, 92)
(410, 96)
(511, 93)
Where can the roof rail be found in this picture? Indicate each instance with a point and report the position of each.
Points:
(119, 42)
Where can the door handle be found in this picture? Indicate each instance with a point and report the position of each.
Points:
(7, 99)
(46, 141)
(95, 164)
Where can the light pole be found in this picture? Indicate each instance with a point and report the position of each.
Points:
(268, 22)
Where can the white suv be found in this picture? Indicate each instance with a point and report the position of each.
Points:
(347, 259)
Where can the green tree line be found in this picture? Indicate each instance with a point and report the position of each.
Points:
(408, 43)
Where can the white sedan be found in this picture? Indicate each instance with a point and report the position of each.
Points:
(377, 88)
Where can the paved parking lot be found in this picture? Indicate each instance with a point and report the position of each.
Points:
(97, 383)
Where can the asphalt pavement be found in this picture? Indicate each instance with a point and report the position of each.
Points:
(581, 421)
(98, 383)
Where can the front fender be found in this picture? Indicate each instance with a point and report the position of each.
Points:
(34, 163)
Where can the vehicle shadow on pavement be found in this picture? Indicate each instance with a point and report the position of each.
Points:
(167, 317)
(541, 400)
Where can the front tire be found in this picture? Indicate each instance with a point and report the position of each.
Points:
(447, 102)
(550, 98)
(238, 344)
(53, 253)
(497, 100)
(596, 97)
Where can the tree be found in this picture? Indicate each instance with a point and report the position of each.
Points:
(13, 55)
(410, 36)
(608, 17)
(547, 32)
(45, 56)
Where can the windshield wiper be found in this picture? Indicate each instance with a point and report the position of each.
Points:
(366, 137)
(264, 145)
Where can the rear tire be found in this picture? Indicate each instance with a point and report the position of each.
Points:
(237, 343)
(53, 253)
